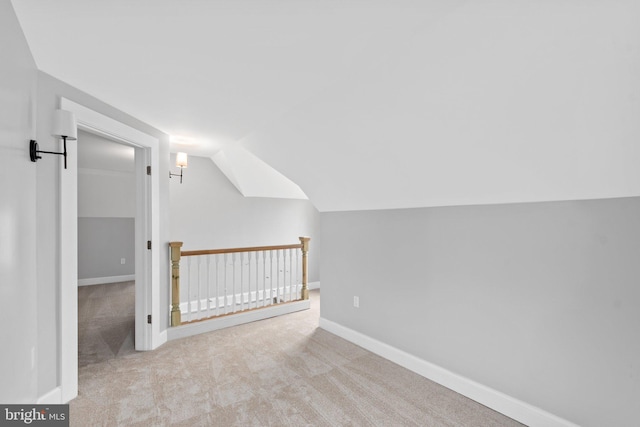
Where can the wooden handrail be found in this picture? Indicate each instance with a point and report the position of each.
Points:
(235, 250)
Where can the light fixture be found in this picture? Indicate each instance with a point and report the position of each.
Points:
(181, 162)
(64, 126)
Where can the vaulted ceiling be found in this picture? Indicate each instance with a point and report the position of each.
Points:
(373, 104)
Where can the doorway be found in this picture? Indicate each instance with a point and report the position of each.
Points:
(106, 248)
(147, 229)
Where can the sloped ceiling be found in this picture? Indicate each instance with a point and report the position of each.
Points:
(254, 178)
(373, 104)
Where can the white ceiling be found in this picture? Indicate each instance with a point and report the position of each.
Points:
(373, 104)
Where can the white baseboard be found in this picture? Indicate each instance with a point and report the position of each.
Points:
(209, 325)
(507, 405)
(162, 339)
(54, 397)
(313, 285)
(108, 279)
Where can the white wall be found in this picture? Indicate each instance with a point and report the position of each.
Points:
(19, 315)
(208, 212)
(106, 178)
(538, 301)
(106, 194)
(106, 209)
(103, 243)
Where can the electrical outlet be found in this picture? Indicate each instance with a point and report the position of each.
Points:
(356, 302)
(122, 260)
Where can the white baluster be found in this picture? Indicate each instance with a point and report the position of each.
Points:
(234, 259)
(278, 283)
(298, 283)
(283, 276)
(198, 291)
(264, 276)
(249, 280)
(248, 275)
(287, 275)
(284, 273)
(241, 255)
(290, 275)
(225, 262)
(189, 289)
(216, 259)
(208, 285)
(270, 277)
(278, 270)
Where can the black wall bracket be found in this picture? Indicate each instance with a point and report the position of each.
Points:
(33, 151)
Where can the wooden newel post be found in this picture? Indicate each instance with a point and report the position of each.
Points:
(175, 283)
(304, 294)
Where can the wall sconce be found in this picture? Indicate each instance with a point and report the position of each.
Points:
(64, 126)
(181, 162)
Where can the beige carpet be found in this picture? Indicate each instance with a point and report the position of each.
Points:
(277, 372)
(106, 322)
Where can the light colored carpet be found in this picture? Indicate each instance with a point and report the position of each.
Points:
(283, 371)
(106, 322)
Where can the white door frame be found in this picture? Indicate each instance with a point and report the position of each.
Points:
(147, 336)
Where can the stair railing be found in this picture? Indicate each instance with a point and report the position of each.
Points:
(220, 282)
